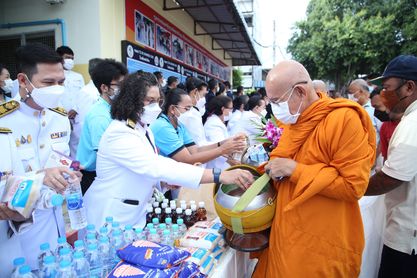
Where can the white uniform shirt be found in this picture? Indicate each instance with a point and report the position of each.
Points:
(88, 95)
(401, 203)
(128, 168)
(73, 84)
(216, 131)
(234, 119)
(194, 125)
(36, 134)
(250, 124)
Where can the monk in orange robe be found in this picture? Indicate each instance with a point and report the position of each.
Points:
(321, 168)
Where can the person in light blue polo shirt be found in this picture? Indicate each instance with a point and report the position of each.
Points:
(106, 77)
(173, 140)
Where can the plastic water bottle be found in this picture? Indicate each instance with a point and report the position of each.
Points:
(129, 234)
(181, 226)
(62, 243)
(108, 223)
(49, 199)
(25, 272)
(45, 251)
(153, 236)
(168, 222)
(175, 235)
(147, 229)
(161, 228)
(90, 239)
(48, 269)
(81, 265)
(91, 229)
(17, 264)
(66, 270)
(76, 210)
(65, 255)
(79, 247)
(117, 243)
(95, 260)
(104, 232)
(155, 221)
(105, 252)
(166, 238)
(140, 235)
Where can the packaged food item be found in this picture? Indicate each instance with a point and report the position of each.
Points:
(150, 254)
(188, 269)
(124, 269)
(208, 226)
(200, 239)
(218, 250)
(198, 255)
(207, 265)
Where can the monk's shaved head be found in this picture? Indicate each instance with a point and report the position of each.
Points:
(320, 86)
(360, 84)
(359, 89)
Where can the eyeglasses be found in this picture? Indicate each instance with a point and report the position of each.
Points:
(403, 82)
(186, 108)
(152, 101)
(277, 101)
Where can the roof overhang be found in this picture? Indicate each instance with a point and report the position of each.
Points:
(221, 20)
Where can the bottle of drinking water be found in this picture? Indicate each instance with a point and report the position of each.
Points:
(48, 269)
(91, 229)
(108, 223)
(66, 270)
(168, 222)
(129, 234)
(153, 236)
(81, 265)
(90, 239)
(117, 243)
(161, 228)
(104, 232)
(116, 226)
(62, 243)
(65, 255)
(147, 229)
(45, 251)
(17, 264)
(105, 252)
(49, 199)
(25, 272)
(166, 238)
(76, 210)
(181, 226)
(140, 234)
(95, 260)
(80, 247)
(176, 235)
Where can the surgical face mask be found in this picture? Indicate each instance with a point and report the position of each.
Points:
(46, 97)
(263, 113)
(8, 86)
(352, 97)
(164, 82)
(184, 116)
(150, 113)
(282, 112)
(202, 110)
(115, 94)
(201, 103)
(68, 64)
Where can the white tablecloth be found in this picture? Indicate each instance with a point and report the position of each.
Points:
(234, 264)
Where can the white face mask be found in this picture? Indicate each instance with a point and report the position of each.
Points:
(8, 86)
(185, 116)
(68, 64)
(150, 113)
(263, 113)
(115, 94)
(352, 97)
(282, 112)
(226, 118)
(46, 97)
(201, 103)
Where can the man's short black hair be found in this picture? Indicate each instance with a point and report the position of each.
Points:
(212, 84)
(239, 89)
(171, 80)
(64, 50)
(30, 55)
(227, 84)
(92, 63)
(158, 74)
(106, 71)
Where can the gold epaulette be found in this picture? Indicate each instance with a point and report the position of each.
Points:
(59, 110)
(5, 130)
(130, 123)
(8, 107)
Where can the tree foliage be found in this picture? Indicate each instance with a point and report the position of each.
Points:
(340, 39)
(237, 77)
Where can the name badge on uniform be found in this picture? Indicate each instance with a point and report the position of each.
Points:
(57, 135)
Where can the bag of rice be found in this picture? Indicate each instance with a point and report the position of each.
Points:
(207, 265)
(188, 269)
(208, 226)
(198, 255)
(217, 251)
(124, 269)
(150, 254)
(200, 239)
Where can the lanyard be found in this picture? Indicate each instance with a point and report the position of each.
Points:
(150, 142)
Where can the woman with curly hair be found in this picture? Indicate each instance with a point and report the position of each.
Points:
(128, 164)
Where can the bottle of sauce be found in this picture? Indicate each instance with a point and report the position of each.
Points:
(194, 212)
(158, 214)
(188, 219)
(168, 213)
(149, 214)
(179, 213)
(174, 212)
(201, 212)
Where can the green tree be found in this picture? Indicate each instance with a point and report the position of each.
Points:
(343, 38)
(237, 77)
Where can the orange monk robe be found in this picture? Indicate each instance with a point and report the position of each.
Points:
(317, 230)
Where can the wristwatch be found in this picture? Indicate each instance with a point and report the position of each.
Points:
(216, 175)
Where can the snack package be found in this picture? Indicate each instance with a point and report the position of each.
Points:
(124, 269)
(198, 255)
(217, 251)
(200, 239)
(22, 193)
(150, 254)
(207, 265)
(188, 269)
(208, 226)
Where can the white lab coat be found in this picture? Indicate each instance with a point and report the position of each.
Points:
(48, 131)
(129, 168)
(216, 131)
(88, 95)
(234, 119)
(194, 125)
(250, 123)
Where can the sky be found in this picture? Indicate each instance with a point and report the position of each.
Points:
(285, 14)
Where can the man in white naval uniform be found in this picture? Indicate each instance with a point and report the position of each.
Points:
(71, 98)
(37, 128)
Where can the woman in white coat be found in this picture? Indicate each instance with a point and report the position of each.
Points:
(219, 110)
(128, 164)
(239, 104)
